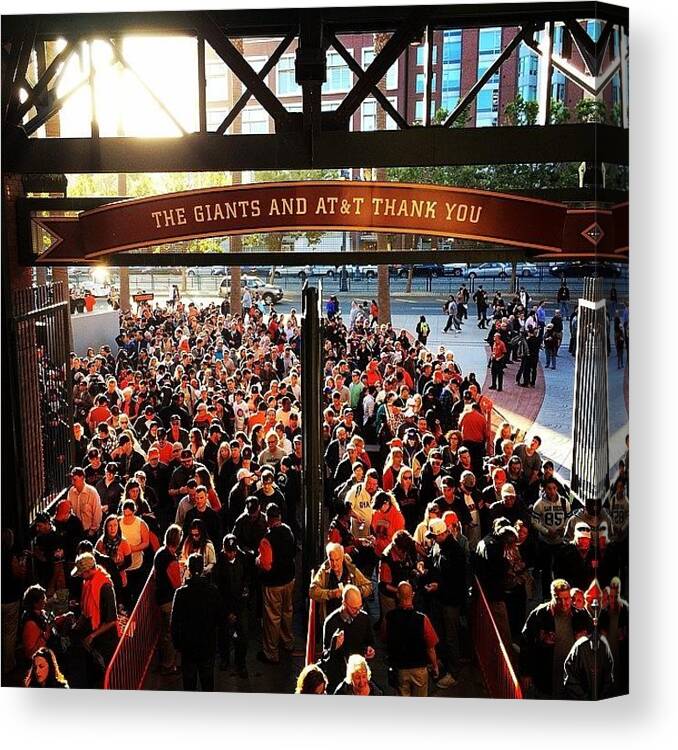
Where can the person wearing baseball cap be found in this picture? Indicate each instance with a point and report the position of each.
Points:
(98, 621)
(210, 455)
(241, 490)
(445, 581)
(509, 506)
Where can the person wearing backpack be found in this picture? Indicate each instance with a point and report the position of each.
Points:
(423, 330)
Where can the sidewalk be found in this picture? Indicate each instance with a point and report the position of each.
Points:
(545, 410)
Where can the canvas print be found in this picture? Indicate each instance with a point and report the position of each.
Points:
(315, 350)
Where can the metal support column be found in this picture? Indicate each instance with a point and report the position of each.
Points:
(590, 445)
(312, 475)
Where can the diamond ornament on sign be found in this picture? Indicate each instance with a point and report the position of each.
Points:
(594, 233)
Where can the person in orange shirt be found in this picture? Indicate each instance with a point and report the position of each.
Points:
(386, 520)
(90, 301)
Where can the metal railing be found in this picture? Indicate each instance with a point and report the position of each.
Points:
(40, 329)
(493, 659)
(132, 658)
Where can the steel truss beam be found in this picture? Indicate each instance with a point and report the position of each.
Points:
(394, 148)
(342, 20)
(207, 27)
(407, 32)
(312, 138)
(591, 52)
(374, 88)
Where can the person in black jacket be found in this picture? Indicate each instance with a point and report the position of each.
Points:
(167, 581)
(110, 488)
(197, 611)
(347, 631)
(491, 568)
(276, 563)
(157, 478)
(211, 450)
(206, 514)
(232, 576)
(446, 577)
(548, 635)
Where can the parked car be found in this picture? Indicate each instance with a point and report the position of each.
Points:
(422, 269)
(580, 268)
(527, 270)
(454, 269)
(356, 272)
(488, 271)
(269, 293)
(203, 271)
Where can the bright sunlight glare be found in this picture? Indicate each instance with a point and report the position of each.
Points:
(165, 66)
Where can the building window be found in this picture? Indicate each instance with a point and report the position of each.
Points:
(391, 124)
(451, 77)
(391, 73)
(339, 76)
(487, 103)
(616, 89)
(254, 120)
(558, 86)
(216, 78)
(368, 115)
(451, 46)
(214, 118)
(528, 67)
(285, 83)
(593, 28)
(329, 106)
(419, 111)
(489, 41)
(421, 84)
(256, 63)
(421, 55)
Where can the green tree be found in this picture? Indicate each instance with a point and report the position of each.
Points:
(559, 113)
(520, 111)
(590, 111)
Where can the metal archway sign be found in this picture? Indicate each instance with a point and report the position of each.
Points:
(542, 226)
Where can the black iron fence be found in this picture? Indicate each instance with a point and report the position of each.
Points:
(40, 328)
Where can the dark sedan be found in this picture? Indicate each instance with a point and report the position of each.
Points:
(579, 269)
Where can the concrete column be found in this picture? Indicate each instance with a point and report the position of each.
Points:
(590, 446)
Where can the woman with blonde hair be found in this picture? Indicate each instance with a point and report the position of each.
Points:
(311, 681)
(223, 454)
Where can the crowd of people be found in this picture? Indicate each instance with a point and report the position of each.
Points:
(186, 461)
